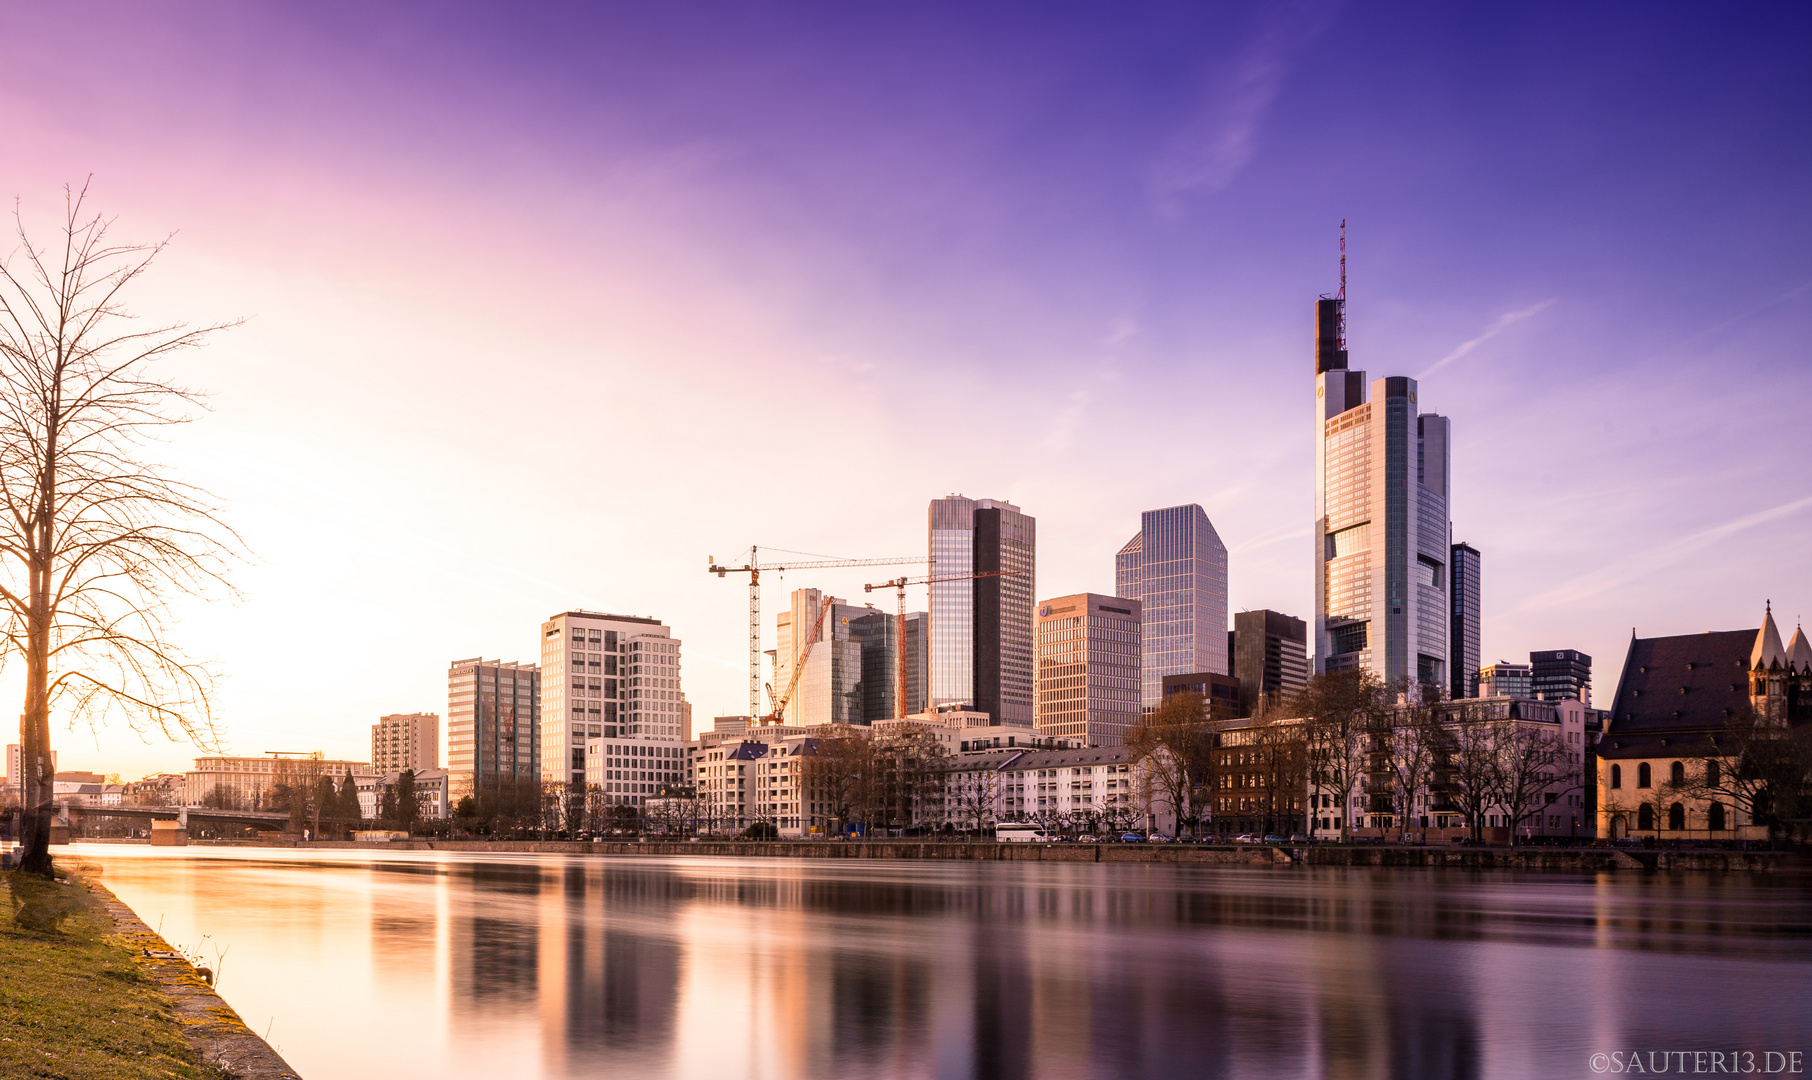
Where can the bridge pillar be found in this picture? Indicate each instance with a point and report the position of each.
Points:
(167, 833)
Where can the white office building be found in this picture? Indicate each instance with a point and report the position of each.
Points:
(614, 680)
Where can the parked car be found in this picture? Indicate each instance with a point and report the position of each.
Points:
(1271, 838)
(1089, 839)
(1158, 838)
(1298, 838)
(1245, 838)
(1131, 838)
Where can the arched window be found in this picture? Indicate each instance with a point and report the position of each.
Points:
(1713, 775)
(1645, 815)
(1616, 776)
(1715, 817)
(1642, 777)
(1677, 774)
(1676, 816)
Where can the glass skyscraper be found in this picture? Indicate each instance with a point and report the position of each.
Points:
(981, 629)
(1382, 533)
(1176, 567)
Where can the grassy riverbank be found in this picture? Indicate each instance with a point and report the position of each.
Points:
(75, 1002)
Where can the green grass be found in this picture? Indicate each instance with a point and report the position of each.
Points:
(74, 1002)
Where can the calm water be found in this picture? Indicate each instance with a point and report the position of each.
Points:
(464, 966)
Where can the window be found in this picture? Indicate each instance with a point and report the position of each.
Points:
(1714, 817)
(1642, 781)
(1645, 815)
(1677, 774)
(1676, 816)
(1616, 776)
(1713, 776)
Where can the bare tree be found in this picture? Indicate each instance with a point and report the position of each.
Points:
(1415, 738)
(1339, 710)
(1471, 766)
(1173, 748)
(1531, 759)
(96, 538)
(1758, 766)
(839, 775)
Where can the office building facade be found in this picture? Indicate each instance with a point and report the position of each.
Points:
(611, 677)
(1090, 670)
(1504, 679)
(1270, 657)
(1220, 694)
(405, 741)
(878, 635)
(982, 649)
(1382, 533)
(1176, 567)
(1559, 674)
(493, 724)
(1463, 621)
(829, 689)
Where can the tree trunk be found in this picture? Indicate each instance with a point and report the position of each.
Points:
(39, 790)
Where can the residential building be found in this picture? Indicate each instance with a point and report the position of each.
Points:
(1223, 694)
(493, 724)
(610, 677)
(1686, 710)
(405, 741)
(815, 636)
(1558, 674)
(433, 792)
(1463, 621)
(247, 783)
(1504, 679)
(1090, 675)
(981, 628)
(878, 634)
(1270, 653)
(15, 767)
(629, 770)
(1176, 567)
(1382, 533)
(1084, 789)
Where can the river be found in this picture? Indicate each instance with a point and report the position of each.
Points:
(462, 966)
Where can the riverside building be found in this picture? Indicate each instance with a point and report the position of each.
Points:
(493, 724)
(1463, 621)
(827, 653)
(1270, 657)
(1089, 667)
(981, 628)
(1176, 567)
(1382, 532)
(614, 678)
(405, 741)
(1559, 674)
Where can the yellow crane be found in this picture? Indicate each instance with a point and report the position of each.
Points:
(899, 624)
(753, 566)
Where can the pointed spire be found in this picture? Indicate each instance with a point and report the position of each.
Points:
(1799, 651)
(1767, 652)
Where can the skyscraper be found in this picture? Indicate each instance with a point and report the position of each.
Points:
(829, 688)
(981, 629)
(1089, 667)
(493, 724)
(877, 633)
(1463, 623)
(1270, 656)
(611, 677)
(1382, 534)
(1176, 567)
(405, 741)
(1559, 674)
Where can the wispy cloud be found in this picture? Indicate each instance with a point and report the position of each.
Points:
(1645, 564)
(1209, 150)
(1503, 323)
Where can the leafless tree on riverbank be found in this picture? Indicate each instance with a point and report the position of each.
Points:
(96, 538)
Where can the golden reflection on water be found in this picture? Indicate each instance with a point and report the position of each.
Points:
(456, 966)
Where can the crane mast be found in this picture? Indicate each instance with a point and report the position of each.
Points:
(899, 623)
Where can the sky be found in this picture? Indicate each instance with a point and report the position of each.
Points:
(545, 305)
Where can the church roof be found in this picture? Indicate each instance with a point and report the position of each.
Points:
(1767, 651)
(1799, 652)
(1692, 681)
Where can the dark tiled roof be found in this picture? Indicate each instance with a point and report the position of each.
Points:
(1655, 744)
(1693, 681)
(1051, 759)
(747, 751)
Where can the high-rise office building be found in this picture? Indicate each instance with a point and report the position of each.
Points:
(877, 633)
(1463, 621)
(981, 628)
(1176, 567)
(613, 677)
(1560, 674)
(405, 741)
(493, 724)
(1382, 534)
(1089, 667)
(1270, 656)
(829, 687)
(1504, 679)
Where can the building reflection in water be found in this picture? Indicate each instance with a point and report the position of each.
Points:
(654, 968)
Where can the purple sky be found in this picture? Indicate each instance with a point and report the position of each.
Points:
(545, 308)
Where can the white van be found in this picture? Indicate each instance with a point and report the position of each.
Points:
(1019, 832)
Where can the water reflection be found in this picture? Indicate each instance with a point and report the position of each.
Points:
(472, 966)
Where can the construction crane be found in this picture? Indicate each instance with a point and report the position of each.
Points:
(753, 567)
(899, 623)
(792, 684)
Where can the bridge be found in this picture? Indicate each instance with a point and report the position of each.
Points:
(184, 816)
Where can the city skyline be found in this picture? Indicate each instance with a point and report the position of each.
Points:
(1620, 354)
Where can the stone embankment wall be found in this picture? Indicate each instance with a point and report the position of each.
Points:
(1531, 858)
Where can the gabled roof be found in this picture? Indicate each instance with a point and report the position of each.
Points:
(1767, 652)
(1684, 682)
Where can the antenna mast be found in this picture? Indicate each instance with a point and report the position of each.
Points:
(1342, 295)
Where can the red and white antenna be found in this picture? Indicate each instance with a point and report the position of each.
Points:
(1341, 345)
